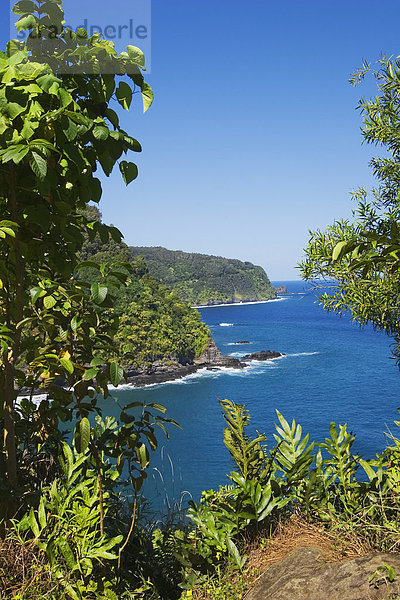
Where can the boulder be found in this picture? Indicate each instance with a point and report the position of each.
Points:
(305, 575)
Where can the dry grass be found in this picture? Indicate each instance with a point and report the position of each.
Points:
(295, 533)
(24, 573)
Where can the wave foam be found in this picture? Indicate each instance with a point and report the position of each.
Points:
(241, 303)
(303, 354)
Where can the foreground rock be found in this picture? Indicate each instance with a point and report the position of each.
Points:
(263, 355)
(169, 370)
(305, 575)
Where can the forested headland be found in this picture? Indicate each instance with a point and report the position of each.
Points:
(155, 324)
(202, 279)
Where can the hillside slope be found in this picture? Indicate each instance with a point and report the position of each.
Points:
(154, 322)
(204, 279)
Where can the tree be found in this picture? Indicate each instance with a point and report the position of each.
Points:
(56, 129)
(360, 259)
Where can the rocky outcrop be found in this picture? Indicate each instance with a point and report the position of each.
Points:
(263, 355)
(171, 369)
(212, 359)
(304, 574)
(240, 343)
(280, 290)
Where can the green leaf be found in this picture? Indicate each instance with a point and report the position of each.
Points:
(65, 97)
(136, 55)
(147, 96)
(36, 292)
(49, 83)
(28, 130)
(67, 553)
(33, 523)
(90, 374)
(38, 165)
(129, 171)
(70, 128)
(100, 132)
(116, 373)
(96, 362)
(23, 7)
(67, 364)
(82, 435)
(99, 292)
(124, 94)
(339, 250)
(26, 22)
(42, 514)
(49, 302)
(143, 455)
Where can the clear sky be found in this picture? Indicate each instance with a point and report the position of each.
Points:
(253, 137)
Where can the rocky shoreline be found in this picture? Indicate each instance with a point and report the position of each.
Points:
(161, 371)
(212, 359)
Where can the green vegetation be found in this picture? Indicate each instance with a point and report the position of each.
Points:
(324, 482)
(70, 512)
(154, 323)
(360, 259)
(203, 279)
(56, 130)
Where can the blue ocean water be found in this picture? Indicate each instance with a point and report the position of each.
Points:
(332, 371)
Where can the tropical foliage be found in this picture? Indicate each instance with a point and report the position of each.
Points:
(202, 279)
(325, 482)
(360, 258)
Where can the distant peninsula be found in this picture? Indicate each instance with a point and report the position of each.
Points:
(206, 280)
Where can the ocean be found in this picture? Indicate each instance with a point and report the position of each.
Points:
(333, 371)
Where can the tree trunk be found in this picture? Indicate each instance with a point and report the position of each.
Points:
(9, 431)
(9, 363)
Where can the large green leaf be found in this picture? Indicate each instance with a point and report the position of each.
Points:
(129, 171)
(38, 165)
(99, 292)
(101, 132)
(147, 96)
(26, 22)
(82, 435)
(116, 373)
(143, 455)
(136, 55)
(67, 364)
(339, 250)
(49, 302)
(24, 7)
(124, 94)
(67, 553)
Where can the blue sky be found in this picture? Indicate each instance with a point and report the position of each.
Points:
(253, 137)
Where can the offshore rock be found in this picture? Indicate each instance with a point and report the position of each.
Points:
(263, 355)
(281, 290)
(305, 575)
